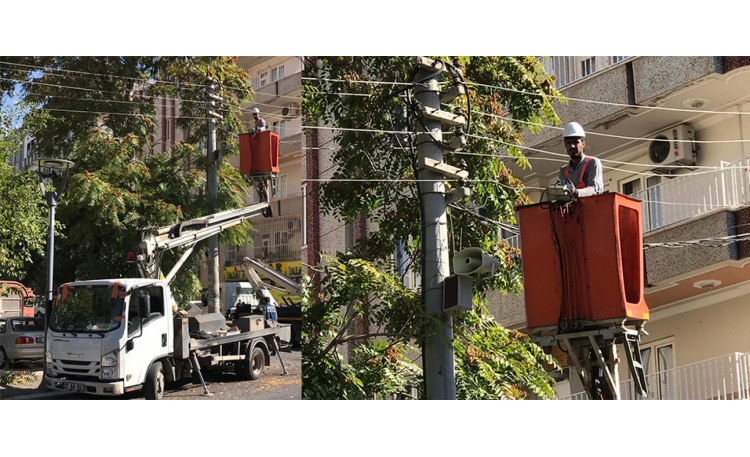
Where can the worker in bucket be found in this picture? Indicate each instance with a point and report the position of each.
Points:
(582, 176)
(260, 123)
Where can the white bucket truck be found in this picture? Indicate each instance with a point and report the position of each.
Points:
(112, 336)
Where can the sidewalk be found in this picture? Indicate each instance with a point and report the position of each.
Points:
(29, 391)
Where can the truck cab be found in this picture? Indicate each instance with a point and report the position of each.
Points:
(103, 336)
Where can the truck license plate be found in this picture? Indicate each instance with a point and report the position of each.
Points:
(74, 387)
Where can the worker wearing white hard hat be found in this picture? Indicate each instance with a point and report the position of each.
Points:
(582, 176)
(260, 123)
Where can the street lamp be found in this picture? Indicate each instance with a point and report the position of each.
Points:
(49, 169)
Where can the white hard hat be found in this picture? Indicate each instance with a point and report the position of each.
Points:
(256, 111)
(574, 129)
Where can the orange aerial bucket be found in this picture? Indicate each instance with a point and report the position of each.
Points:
(259, 153)
(583, 262)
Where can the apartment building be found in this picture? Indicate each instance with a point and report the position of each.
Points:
(695, 192)
(277, 241)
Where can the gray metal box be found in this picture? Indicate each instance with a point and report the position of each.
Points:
(209, 323)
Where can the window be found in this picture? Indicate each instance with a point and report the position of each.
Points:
(618, 59)
(277, 73)
(281, 238)
(658, 361)
(280, 128)
(265, 239)
(263, 79)
(631, 187)
(282, 186)
(588, 66)
(168, 130)
(136, 322)
(230, 253)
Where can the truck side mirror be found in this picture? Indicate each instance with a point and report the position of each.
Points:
(144, 306)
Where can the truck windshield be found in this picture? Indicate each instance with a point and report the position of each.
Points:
(88, 309)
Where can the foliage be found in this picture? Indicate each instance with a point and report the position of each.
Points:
(373, 176)
(104, 114)
(379, 366)
(492, 362)
(23, 215)
(16, 378)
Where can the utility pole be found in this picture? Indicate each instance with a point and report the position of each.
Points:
(438, 361)
(213, 155)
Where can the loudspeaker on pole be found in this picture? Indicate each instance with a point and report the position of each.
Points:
(474, 260)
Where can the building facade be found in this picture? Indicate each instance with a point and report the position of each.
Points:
(672, 132)
(277, 241)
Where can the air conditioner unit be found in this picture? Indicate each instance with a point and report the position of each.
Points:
(673, 146)
(290, 110)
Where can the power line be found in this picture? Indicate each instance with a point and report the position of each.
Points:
(144, 80)
(359, 81)
(623, 105)
(607, 135)
(395, 132)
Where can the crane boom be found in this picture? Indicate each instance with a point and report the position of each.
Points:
(250, 266)
(187, 233)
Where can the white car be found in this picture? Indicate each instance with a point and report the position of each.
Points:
(21, 338)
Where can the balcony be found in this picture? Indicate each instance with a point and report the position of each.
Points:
(682, 198)
(569, 69)
(721, 378)
(286, 79)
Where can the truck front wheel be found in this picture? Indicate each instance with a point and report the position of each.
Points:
(153, 389)
(253, 366)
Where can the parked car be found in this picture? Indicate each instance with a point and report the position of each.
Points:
(21, 338)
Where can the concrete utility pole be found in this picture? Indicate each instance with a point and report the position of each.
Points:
(440, 383)
(214, 299)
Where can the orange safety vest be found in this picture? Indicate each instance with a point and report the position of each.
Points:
(580, 184)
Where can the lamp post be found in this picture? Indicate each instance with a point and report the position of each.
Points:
(47, 169)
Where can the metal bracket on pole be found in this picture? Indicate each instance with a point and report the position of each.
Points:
(431, 64)
(452, 93)
(457, 194)
(444, 117)
(443, 168)
(456, 143)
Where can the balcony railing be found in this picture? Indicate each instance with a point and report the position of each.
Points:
(679, 199)
(721, 378)
(569, 69)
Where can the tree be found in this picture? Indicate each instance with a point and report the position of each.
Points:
(373, 176)
(101, 112)
(23, 218)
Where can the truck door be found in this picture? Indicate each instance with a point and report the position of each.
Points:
(148, 336)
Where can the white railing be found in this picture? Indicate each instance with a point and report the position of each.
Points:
(514, 241)
(680, 198)
(578, 396)
(569, 69)
(721, 378)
